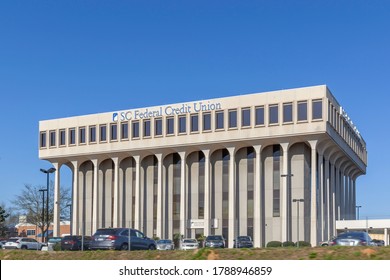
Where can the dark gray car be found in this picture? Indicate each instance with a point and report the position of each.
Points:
(352, 238)
(215, 241)
(119, 239)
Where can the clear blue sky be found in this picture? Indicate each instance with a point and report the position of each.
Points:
(67, 58)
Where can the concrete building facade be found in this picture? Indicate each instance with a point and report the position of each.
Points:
(240, 165)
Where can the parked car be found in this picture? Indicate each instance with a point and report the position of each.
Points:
(52, 242)
(215, 241)
(243, 242)
(378, 242)
(75, 242)
(23, 243)
(2, 242)
(189, 244)
(165, 244)
(352, 238)
(118, 239)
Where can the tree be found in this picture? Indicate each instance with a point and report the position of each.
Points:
(31, 204)
(3, 215)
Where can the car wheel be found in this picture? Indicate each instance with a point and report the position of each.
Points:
(24, 247)
(124, 247)
(152, 247)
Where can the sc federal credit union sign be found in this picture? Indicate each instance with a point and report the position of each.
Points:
(181, 109)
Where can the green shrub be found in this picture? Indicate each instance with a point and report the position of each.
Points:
(288, 244)
(57, 246)
(303, 244)
(274, 244)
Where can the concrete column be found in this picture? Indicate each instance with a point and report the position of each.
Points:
(313, 198)
(159, 231)
(346, 198)
(232, 198)
(257, 238)
(207, 194)
(57, 210)
(137, 218)
(95, 204)
(320, 196)
(283, 200)
(183, 194)
(338, 194)
(333, 201)
(386, 234)
(116, 192)
(75, 199)
(327, 201)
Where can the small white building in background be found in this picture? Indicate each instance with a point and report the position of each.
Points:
(226, 166)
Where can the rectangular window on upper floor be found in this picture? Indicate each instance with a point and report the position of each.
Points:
(207, 121)
(232, 118)
(195, 123)
(317, 109)
(287, 113)
(219, 120)
(103, 133)
(147, 128)
(62, 137)
(72, 136)
(92, 134)
(82, 135)
(114, 132)
(302, 111)
(170, 126)
(52, 137)
(246, 117)
(42, 139)
(135, 129)
(274, 114)
(158, 127)
(124, 130)
(259, 117)
(182, 124)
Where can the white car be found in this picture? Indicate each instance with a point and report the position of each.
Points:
(23, 243)
(189, 244)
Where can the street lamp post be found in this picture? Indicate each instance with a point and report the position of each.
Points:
(43, 212)
(297, 201)
(357, 208)
(47, 172)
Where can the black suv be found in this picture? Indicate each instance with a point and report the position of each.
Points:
(75, 242)
(120, 238)
(215, 241)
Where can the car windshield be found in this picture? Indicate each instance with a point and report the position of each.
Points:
(164, 241)
(215, 237)
(190, 241)
(243, 238)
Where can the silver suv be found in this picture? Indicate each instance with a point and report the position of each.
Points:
(22, 243)
(120, 238)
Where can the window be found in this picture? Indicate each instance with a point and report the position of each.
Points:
(114, 132)
(259, 114)
(125, 130)
(135, 129)
(82, 135)
(42, 138)
(147, 132)
(92, 134)
(194, 123)
(219, 120)
(317, 109)
(273, 114)
(30, 232)
(52, 138)
(103, 133)
(287, 112)
(158, 127)
(302, 111)
(182, 124)
(72, 136)
(170, 126)
(246, 117)
(206, 121)
(62, 137)
(232, 118)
